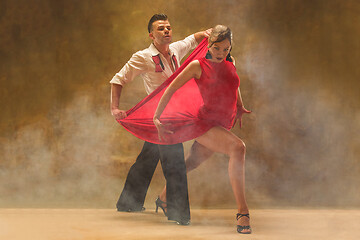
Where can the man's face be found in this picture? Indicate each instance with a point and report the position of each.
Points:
(161, 33)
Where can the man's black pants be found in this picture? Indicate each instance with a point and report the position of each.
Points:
(137, 182)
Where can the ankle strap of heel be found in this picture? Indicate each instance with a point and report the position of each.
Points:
(239, 215)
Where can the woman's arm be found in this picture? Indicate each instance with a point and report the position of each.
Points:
(239, 102)
(240, 109)
(193, 70)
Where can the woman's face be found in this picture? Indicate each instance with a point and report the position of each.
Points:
(220, 50)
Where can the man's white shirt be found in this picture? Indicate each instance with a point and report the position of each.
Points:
(142, 63)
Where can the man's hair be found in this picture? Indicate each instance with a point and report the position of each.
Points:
(156, 17)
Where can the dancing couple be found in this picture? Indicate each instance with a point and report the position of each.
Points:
(198, 100)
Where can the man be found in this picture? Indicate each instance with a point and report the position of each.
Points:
(155, 64)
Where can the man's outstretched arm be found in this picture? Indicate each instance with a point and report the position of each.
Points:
(115, 101)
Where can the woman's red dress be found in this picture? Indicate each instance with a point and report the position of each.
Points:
(195, 108)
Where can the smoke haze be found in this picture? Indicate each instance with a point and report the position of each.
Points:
(297, 61)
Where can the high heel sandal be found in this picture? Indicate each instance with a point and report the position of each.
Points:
(159, 204)
(239, 227)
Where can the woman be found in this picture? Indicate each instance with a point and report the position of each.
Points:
(218, 84)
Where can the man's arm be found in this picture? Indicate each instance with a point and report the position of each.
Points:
(134, 67)
(182, 47)
(199, 36)
(115, 100)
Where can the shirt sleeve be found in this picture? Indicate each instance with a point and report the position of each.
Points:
(134, 67)
(182, 47)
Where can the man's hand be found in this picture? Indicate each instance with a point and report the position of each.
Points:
(199, 36)
(162, 131)
(240, 111)
(118, 114)
(207, 32)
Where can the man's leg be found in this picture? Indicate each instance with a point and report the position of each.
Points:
(173, 164)
(138, 179)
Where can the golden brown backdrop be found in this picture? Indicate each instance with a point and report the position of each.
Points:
(297, 60)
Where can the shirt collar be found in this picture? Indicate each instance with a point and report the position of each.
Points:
(154, 51)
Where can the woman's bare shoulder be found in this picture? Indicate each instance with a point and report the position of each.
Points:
(195, 63)
(195, 67)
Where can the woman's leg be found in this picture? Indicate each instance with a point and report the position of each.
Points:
(221, 140)
(197, 155)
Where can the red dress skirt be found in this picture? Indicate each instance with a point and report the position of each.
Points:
(193, 109)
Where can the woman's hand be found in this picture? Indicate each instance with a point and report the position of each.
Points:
(240, 111)
(162, 131)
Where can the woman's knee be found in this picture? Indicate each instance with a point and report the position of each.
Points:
(238, 148)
